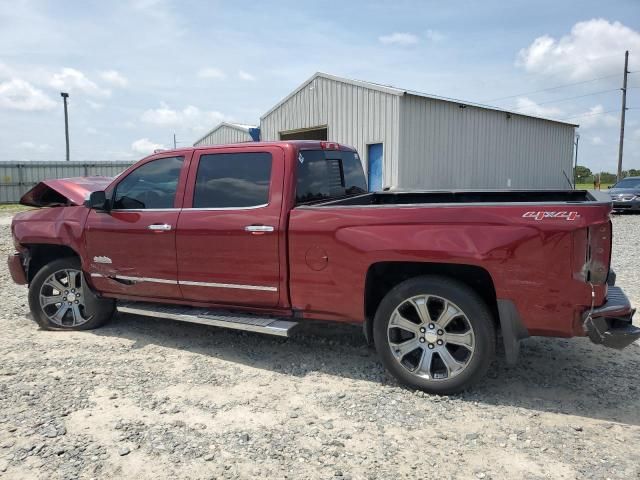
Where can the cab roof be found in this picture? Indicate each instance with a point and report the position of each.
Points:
(297, 144)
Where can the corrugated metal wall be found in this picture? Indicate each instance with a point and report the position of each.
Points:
(354, 115)
(445, 146)
(224, 134)
(17, 178)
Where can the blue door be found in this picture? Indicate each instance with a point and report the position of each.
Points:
(374, 166)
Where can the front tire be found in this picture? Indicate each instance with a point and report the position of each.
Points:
(59, 299)
(434, 334)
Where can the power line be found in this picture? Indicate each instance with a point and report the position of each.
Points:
(591, 114)
(552, 88)
(565, 99)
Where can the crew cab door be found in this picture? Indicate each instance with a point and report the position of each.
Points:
(132, 248)
(229, 231)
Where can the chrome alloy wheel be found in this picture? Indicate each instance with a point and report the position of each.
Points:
(62, 298)
(431, 337)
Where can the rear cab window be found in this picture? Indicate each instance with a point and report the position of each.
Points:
(328, 174)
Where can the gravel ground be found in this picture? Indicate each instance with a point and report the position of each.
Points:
(151, 399)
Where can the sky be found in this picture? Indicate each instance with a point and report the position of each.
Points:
(139, 71)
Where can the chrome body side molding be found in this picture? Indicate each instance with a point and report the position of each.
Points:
(186, 282)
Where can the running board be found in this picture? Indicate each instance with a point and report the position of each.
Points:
(215, 318)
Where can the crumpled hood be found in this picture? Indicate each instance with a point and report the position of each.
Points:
(64, 191)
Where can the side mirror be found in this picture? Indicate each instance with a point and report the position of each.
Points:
(609, 186)
(98, 201)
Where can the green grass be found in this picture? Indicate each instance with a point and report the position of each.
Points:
(13, 208)
(589, 186)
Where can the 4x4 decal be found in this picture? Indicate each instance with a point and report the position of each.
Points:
(541, 215)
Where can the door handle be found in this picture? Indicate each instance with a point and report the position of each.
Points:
(163, 227)
(257, 229)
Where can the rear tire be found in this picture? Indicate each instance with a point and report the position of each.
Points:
(434, 334)
(59, 298)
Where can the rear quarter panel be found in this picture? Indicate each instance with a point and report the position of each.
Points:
(531, 262)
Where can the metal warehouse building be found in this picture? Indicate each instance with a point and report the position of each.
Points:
(226, 132)
(411, 140)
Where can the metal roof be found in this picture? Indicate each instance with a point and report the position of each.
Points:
(238, 126)
(400, 92)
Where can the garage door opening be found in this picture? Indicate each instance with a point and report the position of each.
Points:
(306, 134)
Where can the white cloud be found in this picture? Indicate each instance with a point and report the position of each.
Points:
(144, 146)
(245, 76)
(91, 130)
(5, 71)
(18, 94)
(120, 155)
(70, 79)
(593, 48)
(114, 78)
(595, 117)
(210, 72)
(190, 117)
(94, 105)
(529, 107)
(148, 4)
(434, 35)
(35, 147)
(399, 38)
(597, 141)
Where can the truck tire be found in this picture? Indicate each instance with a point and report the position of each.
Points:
(434, 334)
(60, 300)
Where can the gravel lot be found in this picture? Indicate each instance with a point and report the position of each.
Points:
(151, 398)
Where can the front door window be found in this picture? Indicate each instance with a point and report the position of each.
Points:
(151, 186)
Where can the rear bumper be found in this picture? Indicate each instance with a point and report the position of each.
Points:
(610, 324)
(16, 269)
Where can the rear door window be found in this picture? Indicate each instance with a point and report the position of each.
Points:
(233, 180)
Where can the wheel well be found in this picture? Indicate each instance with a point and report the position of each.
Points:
(383, 276)
(40, 255)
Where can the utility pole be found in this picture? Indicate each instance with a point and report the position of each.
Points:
(174, 141)
(575, 166)
(64, 96)
(622, 114)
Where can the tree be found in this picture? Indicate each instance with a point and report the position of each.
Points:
(582, 172)
(606, 177)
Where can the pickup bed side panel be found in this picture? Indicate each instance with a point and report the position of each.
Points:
(530, 261)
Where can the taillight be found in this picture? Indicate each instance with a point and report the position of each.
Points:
(598, 253)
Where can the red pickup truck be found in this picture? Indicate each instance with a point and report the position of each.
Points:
(264, 236)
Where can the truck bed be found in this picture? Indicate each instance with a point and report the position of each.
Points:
(462, 197)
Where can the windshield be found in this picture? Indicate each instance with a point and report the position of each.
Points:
(628, 183)
(328, 174)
